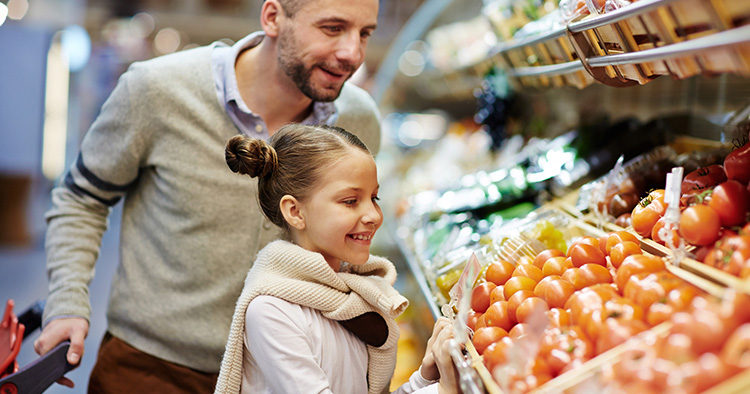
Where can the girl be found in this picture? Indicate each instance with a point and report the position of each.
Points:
(319, 309)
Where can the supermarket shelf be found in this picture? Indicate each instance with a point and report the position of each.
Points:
(418, 271)
(555, 69)
(637, 8)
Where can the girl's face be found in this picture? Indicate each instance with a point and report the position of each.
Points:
(341, 213)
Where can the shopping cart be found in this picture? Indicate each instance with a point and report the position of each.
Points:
(40, 374)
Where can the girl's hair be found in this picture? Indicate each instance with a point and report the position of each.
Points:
(291, 162)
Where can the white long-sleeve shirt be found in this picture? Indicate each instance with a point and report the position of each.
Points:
(295, 349)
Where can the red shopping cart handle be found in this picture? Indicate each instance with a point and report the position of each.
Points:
(40, 374)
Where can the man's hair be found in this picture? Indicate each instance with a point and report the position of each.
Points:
(291, 7)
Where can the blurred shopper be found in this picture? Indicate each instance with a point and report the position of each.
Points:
(317, 314)
(190, 228)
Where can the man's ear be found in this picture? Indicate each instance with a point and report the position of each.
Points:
(269, 17)
(291, 209)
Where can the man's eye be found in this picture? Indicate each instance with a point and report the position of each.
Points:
(333, 29)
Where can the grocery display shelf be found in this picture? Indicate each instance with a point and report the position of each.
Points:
(417, 271)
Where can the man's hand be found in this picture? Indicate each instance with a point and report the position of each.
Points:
(73, 328)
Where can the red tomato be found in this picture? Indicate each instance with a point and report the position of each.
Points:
(699, 225)
(736, 350)
(703, 179)
(557, 293)
(647, 212)
(730, 254)
(530, 271)
(581, 254)
(619, 252)
(713, 370)
(616, 331)
(737, 164)
(589, 274)
(731, 200)
(471, 320)
(624, 220)
(542, 257)
(486, 336)
(498, 272)
(496, 354)
(480, 296)
(497, 316)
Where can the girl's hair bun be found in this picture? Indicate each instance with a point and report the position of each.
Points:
(251, 156)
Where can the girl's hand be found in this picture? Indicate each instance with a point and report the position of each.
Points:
(441, 348)
(429, 369)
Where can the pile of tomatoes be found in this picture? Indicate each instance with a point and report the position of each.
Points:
(541, 317)
(715, 204)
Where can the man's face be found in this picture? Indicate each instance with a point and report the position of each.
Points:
(324, 43)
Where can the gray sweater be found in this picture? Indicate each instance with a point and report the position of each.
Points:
(190, 227)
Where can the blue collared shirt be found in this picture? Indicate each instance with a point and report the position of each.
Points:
(247, 122)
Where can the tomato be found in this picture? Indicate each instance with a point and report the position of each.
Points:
(531, 310)
(705, 328)
(498, 272)
(585, 240)
(497, 316)
(530, 271)
(541, 287)
(616, 331)
(736, 350)
(699, 225)
(570, 275)
(581, 254)
(480, 296)
(658, 226)
(730, 254)
(681, 298)
(702, 179)
(731, 200)
(589, 274)
(518, 283)
(647, 212)
(497, 294)
(658, 313)
(622, 308)
(635, 264)
(618, 237)
(557, 293)
(471, 320)
(558, 317)
(515, 301)
(545, 255)
(518, 331)
(497, 353)
(555, 266)
(481, 322)
(486, 336)
(737, 164)
(619, 252)
(713, 370)
(625, 220)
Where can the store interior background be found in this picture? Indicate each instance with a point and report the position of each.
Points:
(60, 59)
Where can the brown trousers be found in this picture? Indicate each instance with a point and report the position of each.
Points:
(123, 369)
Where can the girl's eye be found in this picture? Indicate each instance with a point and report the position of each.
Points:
(350, 202)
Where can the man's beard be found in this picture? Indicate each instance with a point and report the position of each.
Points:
(300, 75)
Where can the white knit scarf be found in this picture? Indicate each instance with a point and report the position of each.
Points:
(296, 275)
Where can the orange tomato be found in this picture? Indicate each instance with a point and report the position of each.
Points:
(498, 272)
(471, 320)
(647, 212)
(635, 264)
(531, 308)
(570, 275)
(545, 255)
(618, 237)
(529, 270)
(518, 331)
(582, 254)
(554, 266)
(486, 336)
(557, 292)
(736, 350)
(497, 316)
(589, 274)
(658, 313)
(515, 301)
(517, 283)
(480, 296)
(620, 251)
(616, 331)
(699, 225)
(655, 233)
(541, 287)
(558, 317)
(584, 240)
(622, 308)
(496, 354)
(497, 294)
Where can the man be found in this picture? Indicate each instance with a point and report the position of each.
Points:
(188, 233)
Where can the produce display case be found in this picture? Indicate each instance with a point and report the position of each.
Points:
(614, 53)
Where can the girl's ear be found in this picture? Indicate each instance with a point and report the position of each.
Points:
(269, 17)
(291, 209)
